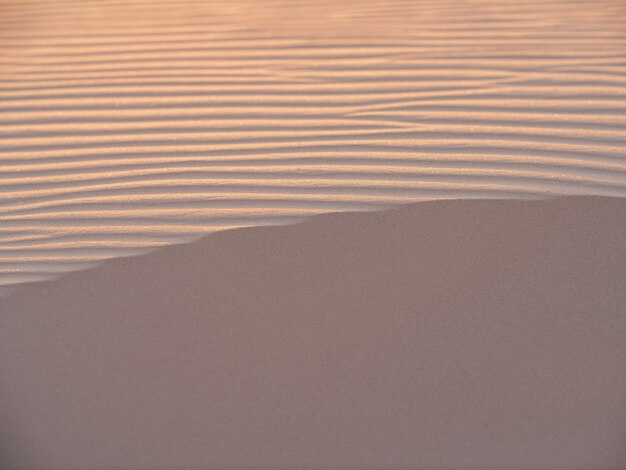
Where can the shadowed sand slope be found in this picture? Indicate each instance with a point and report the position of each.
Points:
(449, 334)
(127, 125)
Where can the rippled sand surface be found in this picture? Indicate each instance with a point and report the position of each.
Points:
(130, 125)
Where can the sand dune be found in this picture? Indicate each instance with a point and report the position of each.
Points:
(129, 125)
(449, 334)
(446, 334)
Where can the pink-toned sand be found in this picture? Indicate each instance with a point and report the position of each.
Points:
(447, 335)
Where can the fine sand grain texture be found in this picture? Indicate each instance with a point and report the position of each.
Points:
(438, 335)
(127, 125)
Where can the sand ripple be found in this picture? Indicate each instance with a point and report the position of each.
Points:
(126, 126)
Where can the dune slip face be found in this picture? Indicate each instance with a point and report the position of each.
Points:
(445, 335)
(130, 125)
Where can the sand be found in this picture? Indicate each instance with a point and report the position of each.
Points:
(447, 334)
(129, 125)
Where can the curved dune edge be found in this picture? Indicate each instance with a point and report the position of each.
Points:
(446, 334)
(129, 125)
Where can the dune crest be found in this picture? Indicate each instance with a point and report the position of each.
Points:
(128, 126)
(447, 334)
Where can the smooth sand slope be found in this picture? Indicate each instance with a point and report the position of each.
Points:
(127, 125)
(447, 334)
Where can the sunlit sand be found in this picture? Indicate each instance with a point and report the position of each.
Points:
(124, 127)
(321, 234)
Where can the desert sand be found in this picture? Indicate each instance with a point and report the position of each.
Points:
(129, 125)
(297, 299)
(449, 334)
